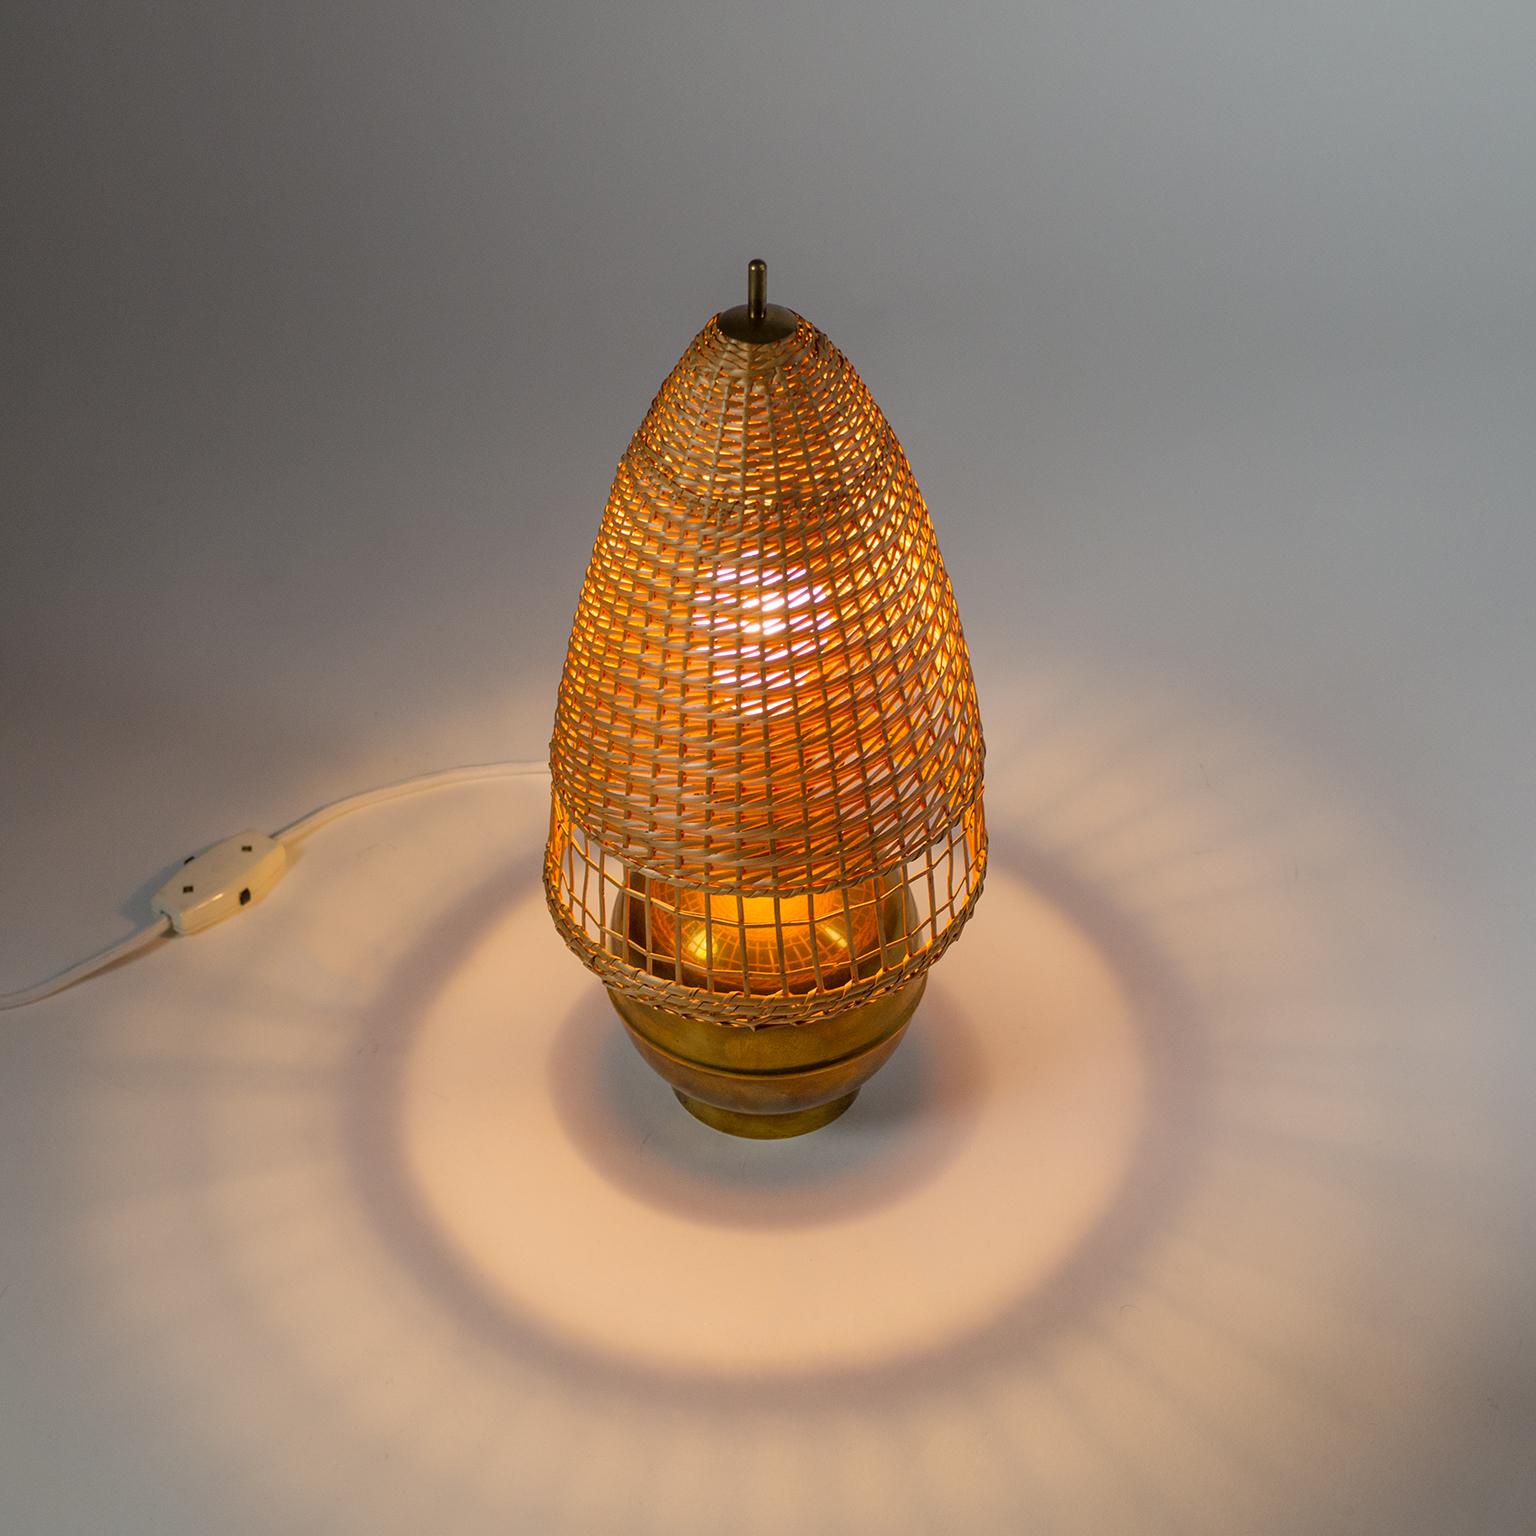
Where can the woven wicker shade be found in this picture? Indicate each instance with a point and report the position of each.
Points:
(767, 757)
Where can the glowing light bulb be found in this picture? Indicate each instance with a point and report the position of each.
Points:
(763, 944)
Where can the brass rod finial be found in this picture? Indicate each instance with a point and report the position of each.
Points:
(757, 322)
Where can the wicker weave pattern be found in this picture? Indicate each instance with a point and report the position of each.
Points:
(767, 756)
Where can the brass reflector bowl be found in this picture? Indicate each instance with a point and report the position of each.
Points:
(782, 1080)
(766, 818)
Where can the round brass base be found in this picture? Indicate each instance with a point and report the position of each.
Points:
(780, 1080)
(737, 1122)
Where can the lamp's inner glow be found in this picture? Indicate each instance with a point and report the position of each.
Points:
(731, 942)
(753, 626)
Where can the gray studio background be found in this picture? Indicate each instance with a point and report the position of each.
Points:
(1209, 329)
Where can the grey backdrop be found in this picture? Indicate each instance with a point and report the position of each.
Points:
(1209, 329)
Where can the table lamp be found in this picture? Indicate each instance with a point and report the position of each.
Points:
(766, 818)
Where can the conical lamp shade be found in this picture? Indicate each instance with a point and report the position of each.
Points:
(767, 756)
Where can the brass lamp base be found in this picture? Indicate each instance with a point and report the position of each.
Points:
(781, 1080)
(736, 1122)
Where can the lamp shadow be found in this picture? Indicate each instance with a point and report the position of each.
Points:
(911, 1118)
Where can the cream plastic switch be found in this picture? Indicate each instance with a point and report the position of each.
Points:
(218, 882)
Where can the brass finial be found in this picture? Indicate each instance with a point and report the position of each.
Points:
(757, 320)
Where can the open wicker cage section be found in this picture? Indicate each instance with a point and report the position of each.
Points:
(767, 757)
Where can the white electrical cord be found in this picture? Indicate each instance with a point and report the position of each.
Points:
(145, 938)
(223, 879)
(296, 831)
